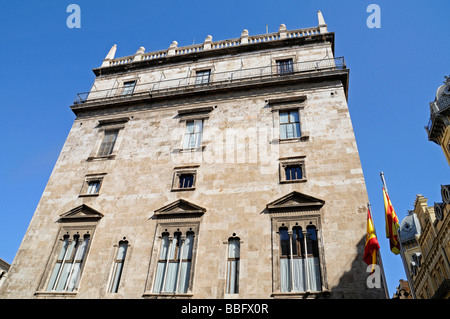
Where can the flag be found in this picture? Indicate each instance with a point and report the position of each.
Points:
(372, 245)
(392, 224)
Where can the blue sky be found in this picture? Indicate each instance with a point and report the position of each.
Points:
(394, 73)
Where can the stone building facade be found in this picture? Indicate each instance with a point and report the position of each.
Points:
(225, 169)
(425, 240)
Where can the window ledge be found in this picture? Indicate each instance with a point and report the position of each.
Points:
(167, 295)
(55, 294)
(306, 294)
(303, 180)
(183, 189)
(100, 158)
(187, 150)
(303, 138)
(88, 195)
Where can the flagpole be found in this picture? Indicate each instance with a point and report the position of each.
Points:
(378, 253)
(398, 232)
(383, 181)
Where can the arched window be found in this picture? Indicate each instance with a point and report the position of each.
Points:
(67, 270)
(118, 266)
(174, 264)
(299, 259)
(233, 265)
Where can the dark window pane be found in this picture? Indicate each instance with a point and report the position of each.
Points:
(285, 66)
(186, 180)
(284, 242)
(293, 172)
(202, 77)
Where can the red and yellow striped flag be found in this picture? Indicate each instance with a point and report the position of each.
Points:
(392, 224)
(372, 245)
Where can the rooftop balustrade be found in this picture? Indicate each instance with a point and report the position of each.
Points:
(208, 44)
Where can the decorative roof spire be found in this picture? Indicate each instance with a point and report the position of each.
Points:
(322, 25)
(112, 52)
(110, 55)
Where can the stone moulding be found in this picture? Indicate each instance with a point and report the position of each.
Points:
(179, 208)
(295, 201)
(80, 213)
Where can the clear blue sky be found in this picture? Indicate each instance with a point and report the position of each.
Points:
(394, 73)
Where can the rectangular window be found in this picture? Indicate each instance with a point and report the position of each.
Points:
(67, 270)
(289, 124)
(184, 178)
(92, 184)
(202, 77)
(128, 87)
(233, 266)
(285, 66)
(292, 169)
(193, 134)
(108, 142)
(174, 264)
(118, 267)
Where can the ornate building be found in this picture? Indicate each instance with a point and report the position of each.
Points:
(226, 169)
(425, 240)
(438, 125)
(411, 254)
(425, 232)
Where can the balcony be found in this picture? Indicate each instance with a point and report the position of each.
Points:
(217, 80)
(443, 291)
(439, 109)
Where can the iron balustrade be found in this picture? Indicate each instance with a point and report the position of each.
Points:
(216, 79)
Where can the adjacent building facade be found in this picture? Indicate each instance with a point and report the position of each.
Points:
(425, 238)
(425, 232)
(438, 126)
(225, 169)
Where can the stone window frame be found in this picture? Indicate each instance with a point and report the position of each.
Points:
(194, 72)
(290, 222)
(172, 227)
(178, 216)
(114, 262)
(103, 127)
(291, 161)
(294, 103)
(87, 180)
(184, 170)
(192, 114)
(296, 209)
(126, 87)
(276, 59)
(228, 259)
(121, 88)
(81, 221)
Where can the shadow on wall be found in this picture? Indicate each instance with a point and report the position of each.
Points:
(358, 283)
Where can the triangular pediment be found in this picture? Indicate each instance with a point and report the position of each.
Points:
(82, 212)
(295, 200)
(180, 208)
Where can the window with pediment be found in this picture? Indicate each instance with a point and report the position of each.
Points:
(173, 261)
(298, 259)
(68, 258)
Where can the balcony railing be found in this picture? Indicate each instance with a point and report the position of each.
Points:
(436, 107)
(216, 79)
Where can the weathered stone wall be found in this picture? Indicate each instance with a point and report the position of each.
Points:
(233, 189)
